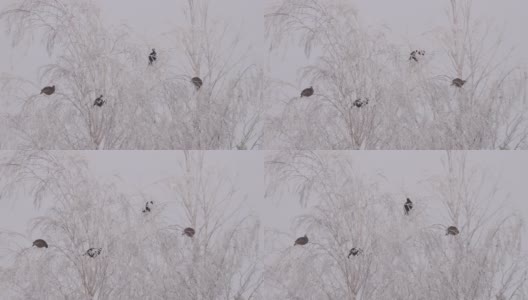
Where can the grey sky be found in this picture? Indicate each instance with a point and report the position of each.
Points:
(408, 23)
(145, 171)
(151, 21)
(408, 20)
(403, 174)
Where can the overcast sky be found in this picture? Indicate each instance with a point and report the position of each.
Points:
(408, 24)
(152, 23)
(407, 19)
(403, 174)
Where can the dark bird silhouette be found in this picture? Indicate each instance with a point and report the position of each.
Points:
(452, 230)
(415, 53)
(189, 232)
(307, 92)
(49, 90)
(354, 252)
(147, 206)
(40, 243)
(99, 101)
(408, 206)
(301, 241)
(458, 82)
(93, 252)
(197, 82)
(360, 102)
(153, 56)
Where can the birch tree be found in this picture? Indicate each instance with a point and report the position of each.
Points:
(144, 253)
(404, 256)
(147, 107)
(412, 104)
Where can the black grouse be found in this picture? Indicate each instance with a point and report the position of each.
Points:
(99, 101)
(40, 243)
(458, 82)
(147, 206)
(408, 206)
(452, 230)
(153, 56)
(49, 90)
(301, 241)
(354, 252)
(307, 92)
(93, 252)
(189, 232)
(360, 102)
(197, 82)
(415, 53)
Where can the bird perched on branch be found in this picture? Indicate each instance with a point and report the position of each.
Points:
(360, 102)
(355, 252)
(49, 90)
(99, 101)
(93, 252)
(458, 82)
(452, 230)
(153, 56)
(197, 82)
(414, 55)
(307, 92)
(408, 206)
(189, 232)
(147, 206)
(301, 241)
(40, 243)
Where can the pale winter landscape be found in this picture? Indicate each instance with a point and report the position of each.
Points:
(273, 74)
(346, 78)
(206, 225)
(304, 86)
(188, 77)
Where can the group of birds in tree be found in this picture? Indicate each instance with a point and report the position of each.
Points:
(359, 102)
(99, 101)
(407, 207)
(94, 252)
(187, 231)
(196, 81)
(414, 56)
(417, 53)
(303, 240)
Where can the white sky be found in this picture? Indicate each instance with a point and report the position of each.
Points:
(408, 20)
(144, 171)
(403, 172)
(152, 22)
(408, 24)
